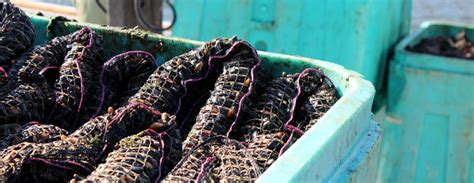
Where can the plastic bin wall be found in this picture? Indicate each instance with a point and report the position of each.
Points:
(343, 146)
(429, 128)
(357, 34)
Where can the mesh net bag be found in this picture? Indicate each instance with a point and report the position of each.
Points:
(75, 87)
(122, 76)
(16, 33)
(25, 103)
(318, 103)
(32, 132)
(216, 159)
(143, 157)
(229, 97)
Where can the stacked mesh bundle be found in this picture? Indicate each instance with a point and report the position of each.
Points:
(216, 159)
(16, 33)
(76, 87)
(82, 148)
(143, 157)
(122, 76)
(229, 97)
(32, 132)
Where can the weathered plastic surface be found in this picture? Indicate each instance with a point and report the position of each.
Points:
(357, 34)
(429, 127)
(341, 147)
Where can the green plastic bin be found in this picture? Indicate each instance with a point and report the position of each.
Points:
(357, 34)
(429, 127)
(343, 146)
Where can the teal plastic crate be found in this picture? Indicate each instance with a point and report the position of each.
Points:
(429, 127)
(343, 146)
(357, 34)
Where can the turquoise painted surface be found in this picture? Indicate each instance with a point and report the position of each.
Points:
(357, 34)
(345, 140)
(429, 128)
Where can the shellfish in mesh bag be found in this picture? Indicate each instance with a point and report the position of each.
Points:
(27, 102)
(144, 157)
(76, 85)
(16, 33)
(229, 97)
(270, 131)
(216, 159)
(317, 104)
(122, 76)
(32, 132)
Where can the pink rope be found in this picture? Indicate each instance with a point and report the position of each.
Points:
(91, 36)
(56, 163)
(101, 80)
(48, 68)
(3, 71)
(286, 144)
(206, 163)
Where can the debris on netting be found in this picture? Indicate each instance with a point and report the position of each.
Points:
(77, 80)
(122, 76)
(16, 33)
(230, 96)
(32, 132)
(218, 158)
(144, 157)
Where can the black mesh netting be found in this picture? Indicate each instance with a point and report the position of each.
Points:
(32, 132)
(229, 97)
(122, 76)
(16, 33)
